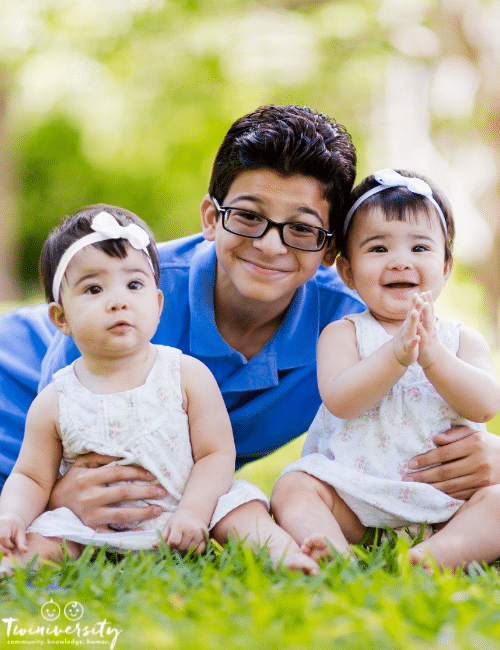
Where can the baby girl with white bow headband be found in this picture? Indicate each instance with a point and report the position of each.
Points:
(147, 405)
(390, 379)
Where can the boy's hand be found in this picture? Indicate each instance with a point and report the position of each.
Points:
(12, 533)
(464, 461)
(92, 487)
(406, 340)
(185, 530)
(430, 346)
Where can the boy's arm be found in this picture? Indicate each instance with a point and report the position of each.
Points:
(26, 491)
(348, 385)
(467, 382)
(214, 457)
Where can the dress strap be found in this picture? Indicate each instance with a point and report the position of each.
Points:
(370, 335)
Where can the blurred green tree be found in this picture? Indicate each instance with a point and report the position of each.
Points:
(127, 101)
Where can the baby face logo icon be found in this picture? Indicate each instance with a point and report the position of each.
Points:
(73, 610)
(50, 610)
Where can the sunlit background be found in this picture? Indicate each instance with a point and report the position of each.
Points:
(126, 102)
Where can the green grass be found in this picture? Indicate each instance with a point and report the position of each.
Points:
(232, 599)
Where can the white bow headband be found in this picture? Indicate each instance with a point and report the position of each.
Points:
(390, 178)
(105, 227)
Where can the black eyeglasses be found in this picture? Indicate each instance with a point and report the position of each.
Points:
(250, 224)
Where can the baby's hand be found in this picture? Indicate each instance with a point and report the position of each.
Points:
(430, 346)
(12, 533)
(185, 530)
(406, 340)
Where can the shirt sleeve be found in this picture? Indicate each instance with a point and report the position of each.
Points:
(25, 335)
(60, 353)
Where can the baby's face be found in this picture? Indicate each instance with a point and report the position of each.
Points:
(111, 306)
(389, 261)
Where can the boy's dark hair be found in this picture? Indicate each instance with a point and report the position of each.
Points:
(399, 203)
(289, 140)
(76, 226)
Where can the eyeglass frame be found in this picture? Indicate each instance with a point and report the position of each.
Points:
(223, 209)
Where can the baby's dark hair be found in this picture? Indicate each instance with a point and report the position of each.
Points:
(289, 140)
(399, 203)
(76, 226)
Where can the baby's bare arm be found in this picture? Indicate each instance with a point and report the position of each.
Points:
(467, 382)
(348, 385)
(26, 491)
(214, 456)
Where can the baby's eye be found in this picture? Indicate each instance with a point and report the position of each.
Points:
(378, 249)
(135, 285)
(419, 248)
(93, 289)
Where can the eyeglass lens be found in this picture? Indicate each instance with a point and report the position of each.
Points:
(297, 235)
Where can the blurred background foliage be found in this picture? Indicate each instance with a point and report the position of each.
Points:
(127, 101)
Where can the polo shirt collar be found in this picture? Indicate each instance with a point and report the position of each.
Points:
(292, 346)
(204, 337)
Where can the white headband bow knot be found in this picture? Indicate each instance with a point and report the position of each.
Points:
(387, 178)
(105, 227)
(391, 178)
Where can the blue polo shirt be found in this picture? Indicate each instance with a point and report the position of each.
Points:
(273, 397)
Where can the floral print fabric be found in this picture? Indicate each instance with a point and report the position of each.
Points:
(366, 458)
(145, 426)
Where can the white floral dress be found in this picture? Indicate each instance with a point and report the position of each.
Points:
(144, 426)
(365, 458)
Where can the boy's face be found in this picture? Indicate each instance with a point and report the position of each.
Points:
(265, 270)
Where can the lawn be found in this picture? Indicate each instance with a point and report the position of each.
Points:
(232, 599)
